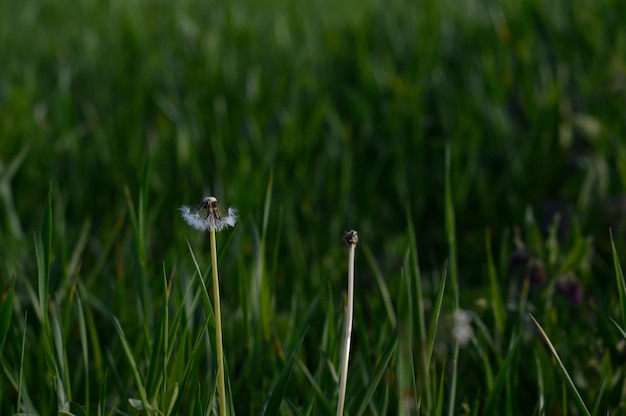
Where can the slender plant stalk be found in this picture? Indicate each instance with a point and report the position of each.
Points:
(452, 261)
(211, 215)
(351, 239)
(221, 384)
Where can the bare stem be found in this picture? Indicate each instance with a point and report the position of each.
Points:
(351, 238)
(221, 384)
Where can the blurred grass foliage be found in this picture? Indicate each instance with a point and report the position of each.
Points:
(346, 110)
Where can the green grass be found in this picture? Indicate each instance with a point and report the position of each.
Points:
(478, 148)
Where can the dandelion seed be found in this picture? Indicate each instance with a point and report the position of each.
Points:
(462, 330)
(209, 215)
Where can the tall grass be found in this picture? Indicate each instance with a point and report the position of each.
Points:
(477, 148)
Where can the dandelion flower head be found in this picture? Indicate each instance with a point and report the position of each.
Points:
(209, 215)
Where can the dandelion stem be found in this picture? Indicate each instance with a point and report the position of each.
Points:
(211, 215)
(221, 384)
(351, 238)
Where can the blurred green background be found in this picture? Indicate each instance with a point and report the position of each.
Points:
(350, 105)
(345, 107)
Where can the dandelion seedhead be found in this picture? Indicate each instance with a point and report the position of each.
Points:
(462, 330)
(209, 215)
(351, 238)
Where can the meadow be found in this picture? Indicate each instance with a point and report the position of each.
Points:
(478, 148)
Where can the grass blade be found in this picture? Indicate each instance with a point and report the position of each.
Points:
(434, 320)
(451, 237)
(278, 392)
(60, 365)
(418, 314)
(500, 379)
(133, 365)
(541, 394)
(6, 175)
(21, 379)
(439, 403)
(189, 367)
(73, 267)
(451, 229)
(158, 359)
(6, 311)
(260, 289)
(619, 328)
(385, 358)
(499, 313)
(44, 269)
(24, 401)
(621, 284)
(405, 365)
(138, 225)
(138, 217)
(596, 407)
(102, 401)
(382, 285)
(82, 329)
(568, 380)
(207, 300)
(325, 407)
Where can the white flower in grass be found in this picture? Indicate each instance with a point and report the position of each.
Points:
(461, 329)
(209, 215)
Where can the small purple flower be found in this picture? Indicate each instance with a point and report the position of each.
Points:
(519, 259)
(569, 287)
(532, 268)
(537, 273)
